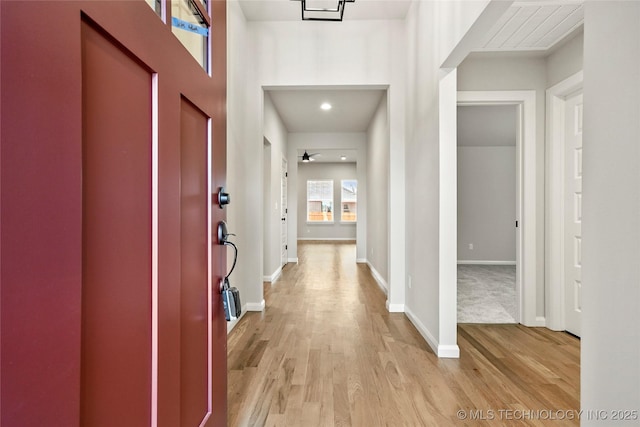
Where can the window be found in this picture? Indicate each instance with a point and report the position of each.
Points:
(320, 201)
(156, 5)
(349, 201)
(190, 22)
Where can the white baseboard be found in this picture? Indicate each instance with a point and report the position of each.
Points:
(254, 306)
(472, 262)
(540, 321)
(378, 278)
(433, 343)
(328, 239)
(294, 260)
(395, 308)
(444, 351)
(274, 276)
(362, 261)
(449, 351)
(247, 307)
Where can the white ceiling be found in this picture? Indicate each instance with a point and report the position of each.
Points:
(534, 26)
(352, 110)
(290, 10)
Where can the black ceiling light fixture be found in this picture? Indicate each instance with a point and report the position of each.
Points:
(323, 10)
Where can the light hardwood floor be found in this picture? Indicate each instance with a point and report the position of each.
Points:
(326, 352)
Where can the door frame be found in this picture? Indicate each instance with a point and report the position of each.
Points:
(526, 247)
(284, 210)
(267, 148)
(554, 199)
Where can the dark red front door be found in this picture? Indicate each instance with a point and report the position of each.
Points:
(113, 142)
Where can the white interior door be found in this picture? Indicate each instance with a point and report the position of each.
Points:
(573, 213)
(283, 213)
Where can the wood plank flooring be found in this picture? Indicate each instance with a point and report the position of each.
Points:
(326, 352)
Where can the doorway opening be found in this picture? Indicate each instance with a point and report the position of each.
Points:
(284, 213)
(525, 214)
(267, 211)
(487, 213)
(324, 134)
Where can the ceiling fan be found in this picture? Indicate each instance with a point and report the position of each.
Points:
(306, 157)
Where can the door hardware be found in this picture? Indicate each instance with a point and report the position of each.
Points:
(223, 197)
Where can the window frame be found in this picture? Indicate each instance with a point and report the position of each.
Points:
(343, 202)
(322, 200)
(201, 10)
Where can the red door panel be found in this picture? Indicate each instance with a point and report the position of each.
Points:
(116, 228)
(41, 256)
(194, 316)
(88, 88)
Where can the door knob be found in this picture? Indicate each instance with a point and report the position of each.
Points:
(223, 198)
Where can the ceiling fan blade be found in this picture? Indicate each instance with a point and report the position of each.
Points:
(307, 157)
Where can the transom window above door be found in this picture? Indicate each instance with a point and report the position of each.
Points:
(190, 22)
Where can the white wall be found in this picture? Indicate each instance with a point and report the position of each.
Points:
(276, 133)
(353, 141)
(610, 345)
(325, 171)
(487, 203)
(433, 31)
(517, 73)
(487, 183)
(378, 198)
(487, 125)
(295, 53)
(370, 54)
(566, 60)
(405, 57)
(244, 162)
(271, 55)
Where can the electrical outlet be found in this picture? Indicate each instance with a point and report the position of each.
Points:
(470, 246)
(409, 282)
(308, 231)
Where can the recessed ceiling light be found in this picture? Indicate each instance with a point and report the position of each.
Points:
(326, 106)
(343, 157)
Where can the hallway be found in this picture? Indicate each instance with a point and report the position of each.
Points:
(327, 352)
